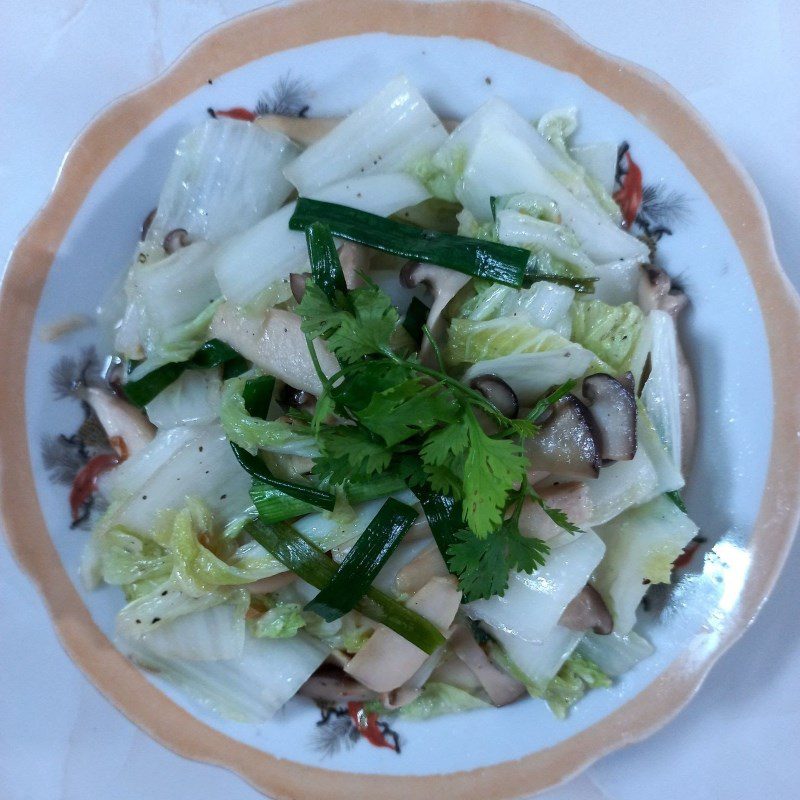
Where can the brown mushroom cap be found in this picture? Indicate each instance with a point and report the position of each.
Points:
(612, 408)
(566, 444)
(498, 393)
(329, 684)
(175, 240)
(148, 221)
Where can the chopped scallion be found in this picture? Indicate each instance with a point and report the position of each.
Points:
(258, 470)
(212, 354)
(325, 267)
(364, 560)
(307, 561)
(482, 259)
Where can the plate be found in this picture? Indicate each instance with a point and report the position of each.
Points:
(742, 333)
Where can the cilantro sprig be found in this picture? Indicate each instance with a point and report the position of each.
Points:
(384, 412)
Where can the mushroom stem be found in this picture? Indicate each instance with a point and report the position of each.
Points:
(443, 284)
(297, 283)
(587, 610)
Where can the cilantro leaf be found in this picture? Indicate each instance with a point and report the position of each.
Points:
(483, 565)
(319, 317)
(398, 413)
(444, 479)
(555, 514)
(366, 378)
(492, 468)
(323, 409)
(357, 324)
(446, 443)
(349, 452)
(521, 427)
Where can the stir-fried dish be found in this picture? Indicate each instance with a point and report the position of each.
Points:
(400, 415)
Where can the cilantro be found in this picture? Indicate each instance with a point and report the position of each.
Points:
(492, 467)
(349, 453)
(555, 514)
(445, 444)
(410, 407)
(483, 565)
(445, 480)
(418, 424)
(360, 323)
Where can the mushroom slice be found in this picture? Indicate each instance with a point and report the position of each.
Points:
(420, 570)
(297, 283)
(656, 291)
(354, 260)
(271, 584)
(612, 408)
(444, 284)
(289, 397)
(565, 444)
(388, 660)
(501, 688)
(412, 688)
(570, 498)
(587, 610)
(276, 344)
(121, 421)
(330, 684)
(498, 393)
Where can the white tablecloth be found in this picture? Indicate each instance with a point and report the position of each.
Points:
(61, 61)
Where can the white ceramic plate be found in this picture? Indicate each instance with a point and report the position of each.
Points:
(743, 317)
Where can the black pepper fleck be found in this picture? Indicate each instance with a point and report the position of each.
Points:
(155, 619)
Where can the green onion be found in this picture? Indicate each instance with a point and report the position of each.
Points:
(677, 498)
(234, 368)
(326, 270)
(415, 319)
(211, 354)
(364, 560)
(257, 394)
(258, 470)
(482, 259)
(580, 285)
(443, 514)
(273, 505)
(309, 563)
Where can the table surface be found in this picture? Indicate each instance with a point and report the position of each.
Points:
(61, 61)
